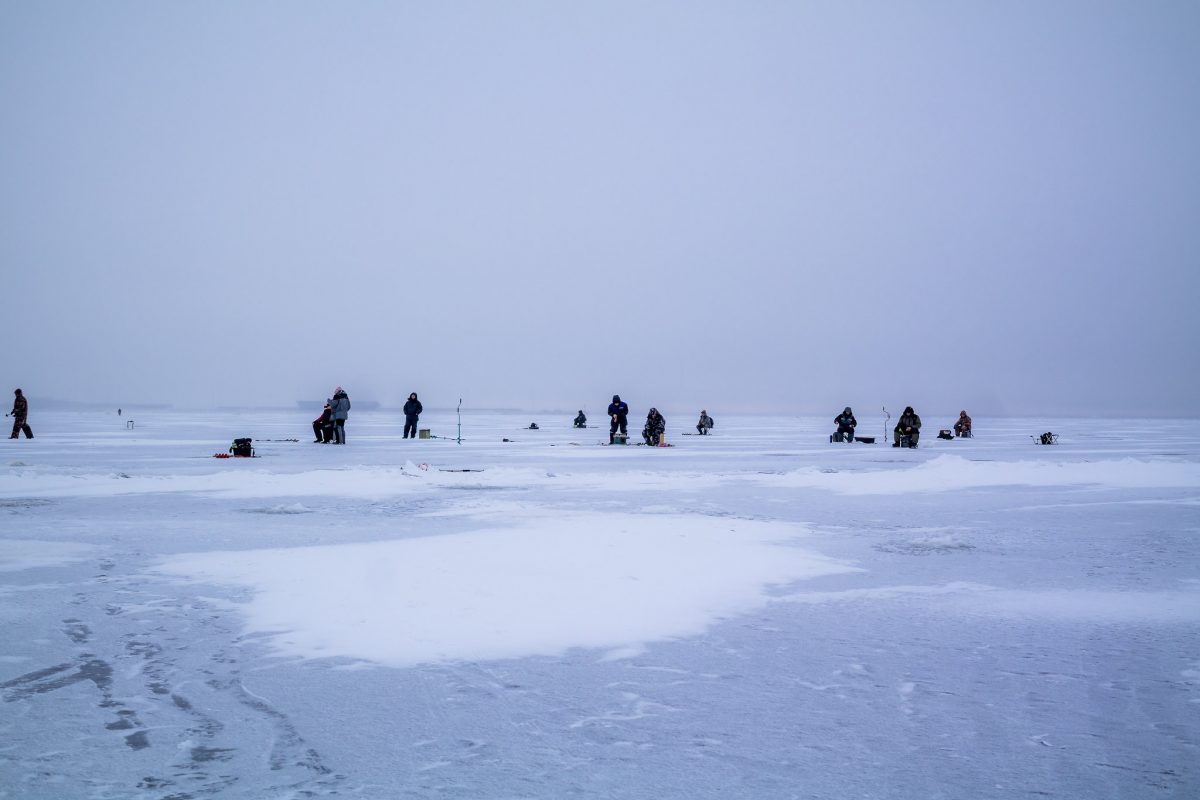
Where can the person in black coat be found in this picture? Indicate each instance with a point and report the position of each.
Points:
(846, 424)
(20, 413)
(908, 427)
(581, 419)
(618, 412)
(412, 410)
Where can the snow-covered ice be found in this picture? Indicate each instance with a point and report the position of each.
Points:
(756, 614)
(553, 581)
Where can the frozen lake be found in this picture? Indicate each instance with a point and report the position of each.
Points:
(756, 614)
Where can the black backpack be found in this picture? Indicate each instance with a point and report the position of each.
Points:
(241, 448)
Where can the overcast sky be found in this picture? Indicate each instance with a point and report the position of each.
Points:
(731, 205)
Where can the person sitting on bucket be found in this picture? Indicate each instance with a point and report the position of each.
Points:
(846, 424)
(705, 424)
(963, 426)
(323, 425)
(580, 419)
(908, 426)
(656, 426)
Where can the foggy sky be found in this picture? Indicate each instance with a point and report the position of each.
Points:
(733, 205)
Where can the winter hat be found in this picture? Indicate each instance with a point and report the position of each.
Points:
(616, 398)
(847, 410)
(338, 390)
(908, 410)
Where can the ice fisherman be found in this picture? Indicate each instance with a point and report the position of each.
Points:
(20, 412)
(962, 427)
(846, 424)
(323, 425)
(581, 419)
(412, 412)
(909, 425)
(340, 406)
(705, 424)
(618, 412)
(656, 426)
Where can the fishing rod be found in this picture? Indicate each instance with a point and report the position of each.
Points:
(458, 438)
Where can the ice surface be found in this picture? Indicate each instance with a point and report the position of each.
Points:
(552, 581)
(18, 554)
(754, 614)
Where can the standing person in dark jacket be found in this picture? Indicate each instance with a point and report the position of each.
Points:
(20, 412)
(412, 410)
(846, 424)
(656, 426)
(618, 412)
(323, 425)
(341, 411)
(908, 425)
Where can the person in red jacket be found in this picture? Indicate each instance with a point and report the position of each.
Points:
(323, 426)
